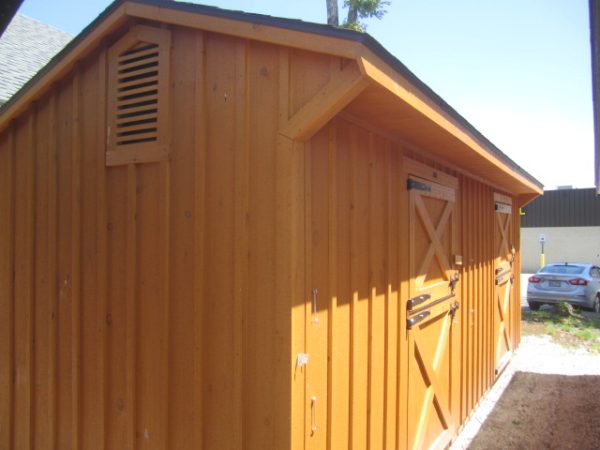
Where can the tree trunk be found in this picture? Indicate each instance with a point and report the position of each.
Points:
(352, 14)
(332, 13)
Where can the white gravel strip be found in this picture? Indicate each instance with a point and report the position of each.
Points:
(539, 354)
(535, 354)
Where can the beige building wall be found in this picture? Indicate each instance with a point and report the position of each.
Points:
(563, 244)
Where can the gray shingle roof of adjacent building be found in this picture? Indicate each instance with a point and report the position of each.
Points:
(25, 47)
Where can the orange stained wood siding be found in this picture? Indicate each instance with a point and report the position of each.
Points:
(142, 310)
(163, 305)
(357, 261)
(354, 259)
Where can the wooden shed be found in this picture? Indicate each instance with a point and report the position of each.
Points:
(222, 230)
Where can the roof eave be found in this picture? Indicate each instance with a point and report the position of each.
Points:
(447, 119)
(376, 64)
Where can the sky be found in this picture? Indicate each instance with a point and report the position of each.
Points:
(517, 70)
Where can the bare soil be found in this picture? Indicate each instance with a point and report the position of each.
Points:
(540, 411)
(548, 397)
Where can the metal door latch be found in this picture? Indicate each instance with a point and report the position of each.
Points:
(455, 306)
(417, 301)
(416, 319)
(454, 282)
(513, 253)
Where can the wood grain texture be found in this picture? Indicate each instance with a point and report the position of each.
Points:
(98, 429)
(181, 303)
(7, 292)
(131, 308)
(52, 296)
(76, 269)
(199, 256)
(24, 282)
(163, 303)
(41, 282)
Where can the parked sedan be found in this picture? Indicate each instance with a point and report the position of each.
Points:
(577, 284)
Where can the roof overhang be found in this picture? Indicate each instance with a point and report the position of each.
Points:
(382, 91)
(401, 109)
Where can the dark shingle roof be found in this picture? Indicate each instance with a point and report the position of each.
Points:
(25, 47)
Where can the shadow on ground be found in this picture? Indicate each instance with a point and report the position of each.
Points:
(539, 411)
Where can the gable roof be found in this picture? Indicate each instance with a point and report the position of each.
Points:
(25, 47)
(426, 119)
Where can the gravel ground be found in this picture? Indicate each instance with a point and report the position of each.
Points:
(535, 355)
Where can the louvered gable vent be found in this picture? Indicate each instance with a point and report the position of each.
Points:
(137, 103)
(137, 95)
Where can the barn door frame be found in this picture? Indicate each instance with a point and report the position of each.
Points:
(504, 257)
(433, 309)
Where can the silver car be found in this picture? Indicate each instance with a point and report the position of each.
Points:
(577, 284)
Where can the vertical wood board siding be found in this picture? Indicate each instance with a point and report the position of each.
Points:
(337, 240)
(101, 326)
(163, 305)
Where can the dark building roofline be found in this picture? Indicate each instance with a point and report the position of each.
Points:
(297, 25)
(563, 208)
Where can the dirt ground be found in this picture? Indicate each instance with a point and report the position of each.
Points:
(548, 397)
(540, 411)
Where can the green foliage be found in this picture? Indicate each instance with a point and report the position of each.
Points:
(565, 325)
(367, 8)
(363, 9)
(564, 309)
(353, 26)
(585, 334)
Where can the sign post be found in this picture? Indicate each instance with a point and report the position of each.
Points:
(542, 240)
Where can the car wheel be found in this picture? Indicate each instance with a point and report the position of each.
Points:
(597, 304)
(534, 306)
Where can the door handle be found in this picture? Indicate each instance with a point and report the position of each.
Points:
(315, 315)
(313, 414)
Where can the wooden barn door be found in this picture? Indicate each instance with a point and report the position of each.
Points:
(434, 298)
(503, 292)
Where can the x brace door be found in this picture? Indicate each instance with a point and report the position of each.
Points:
(503, 291)
(433, 300)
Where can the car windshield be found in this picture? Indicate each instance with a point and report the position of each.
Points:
(563, 269)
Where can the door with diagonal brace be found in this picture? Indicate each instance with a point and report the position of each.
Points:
(503, 292)
(432, 323)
